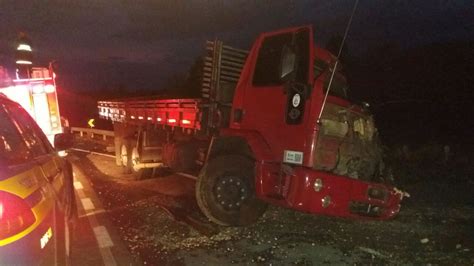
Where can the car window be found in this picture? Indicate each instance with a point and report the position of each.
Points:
(13, 149)
(32, 135)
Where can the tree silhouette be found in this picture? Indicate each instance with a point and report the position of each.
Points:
(193, 82)
(186, 85)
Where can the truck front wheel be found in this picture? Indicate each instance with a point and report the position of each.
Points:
(225, 191)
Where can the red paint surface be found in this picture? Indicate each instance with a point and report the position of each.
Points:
(296, 192)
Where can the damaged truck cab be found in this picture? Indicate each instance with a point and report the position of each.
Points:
(322, 165)
(272, 138)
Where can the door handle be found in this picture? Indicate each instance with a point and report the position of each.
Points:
(53, 176)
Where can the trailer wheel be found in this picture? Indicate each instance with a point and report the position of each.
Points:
(135, 160)
(126, 155)
(225, 191)
(140, 173)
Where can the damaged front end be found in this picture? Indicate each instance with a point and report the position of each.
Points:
(319, 192)
(347, 177)
(347, 144)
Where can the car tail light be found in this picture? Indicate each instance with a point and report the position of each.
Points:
(15, 215)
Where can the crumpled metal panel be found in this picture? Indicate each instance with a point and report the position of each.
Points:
(347, 143)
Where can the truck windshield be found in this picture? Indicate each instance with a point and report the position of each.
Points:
(319, 67)
(338, 87)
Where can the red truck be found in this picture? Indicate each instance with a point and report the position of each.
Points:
(263, 133)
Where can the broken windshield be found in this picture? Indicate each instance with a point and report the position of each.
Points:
(339, 86)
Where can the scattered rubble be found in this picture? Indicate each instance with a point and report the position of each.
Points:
(424, 241)
(163, 229)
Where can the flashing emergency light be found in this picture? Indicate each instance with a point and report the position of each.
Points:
(24, 47)
(23, 62)
(38, 88)
(49, 88)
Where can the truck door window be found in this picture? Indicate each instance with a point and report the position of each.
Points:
(267, 68)
(302, 48)
(267, 72)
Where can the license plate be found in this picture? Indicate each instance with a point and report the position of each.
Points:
(295, 157)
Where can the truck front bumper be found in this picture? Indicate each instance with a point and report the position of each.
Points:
(319, 192)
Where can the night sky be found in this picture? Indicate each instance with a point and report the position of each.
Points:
(140, 44)
(171, 33)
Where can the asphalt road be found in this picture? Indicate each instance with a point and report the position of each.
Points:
(95, 239)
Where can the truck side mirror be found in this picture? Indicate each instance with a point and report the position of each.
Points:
(288, 62)
(63, 141)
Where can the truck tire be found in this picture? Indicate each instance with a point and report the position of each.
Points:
(118, 149)
(225, 191)
(65, 217)
(126, 155)
(183, 156)
(140, 173)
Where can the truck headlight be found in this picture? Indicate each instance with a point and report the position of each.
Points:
(326, 201)
(318, 184)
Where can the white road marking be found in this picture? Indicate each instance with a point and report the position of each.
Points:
(103, 237)
(187, 175)
(107, 257)
(80, 193)
(92, 213)
(96, 153)
(78, 185)
(87, 204)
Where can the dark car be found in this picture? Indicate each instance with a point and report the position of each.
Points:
(37, 202)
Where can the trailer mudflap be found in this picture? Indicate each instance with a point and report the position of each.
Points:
(318, 192)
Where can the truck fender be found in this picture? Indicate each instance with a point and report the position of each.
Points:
(244, 142)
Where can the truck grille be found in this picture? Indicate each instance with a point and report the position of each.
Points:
(376, 193)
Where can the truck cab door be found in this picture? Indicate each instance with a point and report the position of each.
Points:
(273, 94)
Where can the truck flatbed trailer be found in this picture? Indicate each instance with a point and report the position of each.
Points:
(183, 113)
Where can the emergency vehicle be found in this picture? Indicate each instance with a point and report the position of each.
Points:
(37, 95)
(37, 202)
